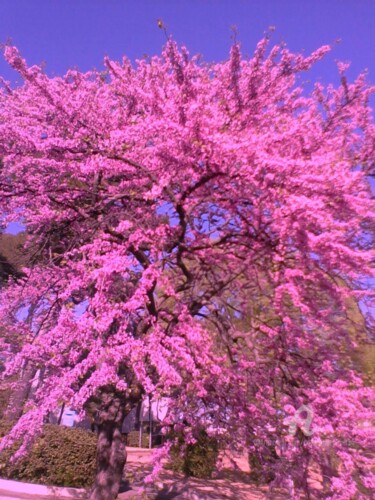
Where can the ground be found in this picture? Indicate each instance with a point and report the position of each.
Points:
(232, 483)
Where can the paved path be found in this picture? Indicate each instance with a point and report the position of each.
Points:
(18, 490)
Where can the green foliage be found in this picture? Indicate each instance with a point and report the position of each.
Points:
(260, 469)
(133, 439)
(12, 255)
(197, 460)
(133, 436)
(4, 400)
(5, 427)
(61, 456)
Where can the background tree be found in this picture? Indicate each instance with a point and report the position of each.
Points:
(14, 394)
(158, 198)
(12, 257)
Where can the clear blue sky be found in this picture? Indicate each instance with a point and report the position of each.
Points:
(79, 33)
(66, 33)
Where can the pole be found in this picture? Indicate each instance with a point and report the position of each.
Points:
(140, 424)
(150, 422)
(61, 414)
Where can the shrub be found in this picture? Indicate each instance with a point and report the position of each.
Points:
(197, 460)
(262, 462)
(133, 440)
(261, 472)
(61, 456)
(5, 427)
(133, 437)
(5, 392)
(4, 399)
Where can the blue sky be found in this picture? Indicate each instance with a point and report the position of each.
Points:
(79, 33)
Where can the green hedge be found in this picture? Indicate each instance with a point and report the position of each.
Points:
(61, 456)
(196, 460)
(133, 440)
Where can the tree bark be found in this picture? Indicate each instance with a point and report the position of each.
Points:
(111, 450)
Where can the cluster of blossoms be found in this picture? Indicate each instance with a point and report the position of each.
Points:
(199, 233)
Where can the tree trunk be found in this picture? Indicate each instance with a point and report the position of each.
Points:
(111, 459)
(111, 450)
(20, 394)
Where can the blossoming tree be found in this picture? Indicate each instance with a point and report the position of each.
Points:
(167, 201)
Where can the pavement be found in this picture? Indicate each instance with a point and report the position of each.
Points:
(18, 490)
